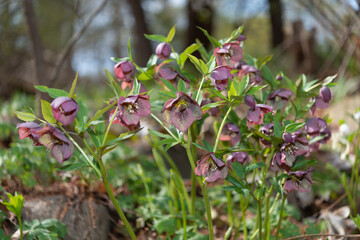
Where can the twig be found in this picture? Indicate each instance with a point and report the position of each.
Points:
(66, 50)
(323, 235)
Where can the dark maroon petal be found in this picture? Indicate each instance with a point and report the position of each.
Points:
(250, 101)
(288, 137)
(217, 161)
(144, 107)
(130, 118)
(182, 120)
(163, 50)
(264, 108)
(279, 77)
(249, 69)
(325, 94)
(241, 38)
(267, 128)
(319, 103)
(312, 126)
(58, 101)
(66, 119)
(167, 73)
(221, 73)
(253, 115)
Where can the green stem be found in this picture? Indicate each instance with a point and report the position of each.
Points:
(259, 219)
(192, 159)
(183, 215)
(280, 218)
(243, 216)
(199, 90)
(356, 172)
(220, 129)
(167, 129)
(21, 228)
(141, 173)
(208, 212)
(80, 150)
(229, 206)
(267, 214)
(109, 126)
(176, 204)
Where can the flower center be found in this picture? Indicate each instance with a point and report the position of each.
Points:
(182, 105)
(131, 108)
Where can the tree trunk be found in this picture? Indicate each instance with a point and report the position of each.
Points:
(142, 49)
(276, 18)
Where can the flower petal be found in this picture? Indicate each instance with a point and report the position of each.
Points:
(182, 120)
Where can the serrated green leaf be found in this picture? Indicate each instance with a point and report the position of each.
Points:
(171, 34)
(73, 86)
(165, 224)
(189, 50)
(53, 92)
(81, 117)
(239, 169)
(46, 112)
(254, 166)
(212, 105)
(169, 85)
(293, 127)
(277, 128)
(213, 41)
(156, 37)
(181, 86)
(27, 117)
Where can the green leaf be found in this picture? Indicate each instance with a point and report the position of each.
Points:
(72, 166)
(234, 35)
(243, 84)
(53, 92)
(356, 220)
(316, 139)
(329, 79)
(213, 41)
(165, 224)
(255, 166)
(199, 64)
(239, 169)
(159, 134)
(181, 86)
(167, 141)
(129, 50)
(81, 117)
(178, 182)
(113, 85)
(27, 117)
(218, 94)
(169, 85)
(275, 183)
(234, 181)
(293, 127)
(155, 37)
(115, 59)
(171, 34)
(229, 188)
(212, 105)
(73, 86)
(98, 114)
(46, 112)
(3, 236)
(255, 89)
(123, 136)
(277, 128)
(15, 203)
(189, 50)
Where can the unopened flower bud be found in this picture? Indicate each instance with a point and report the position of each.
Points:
(325, 94)
(250, 101)
(163, 50)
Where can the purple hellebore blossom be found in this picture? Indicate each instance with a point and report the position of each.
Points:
(28, 129)
(229, 54)
(299, 181)
(268, 130)
(124, 72)
(163, 50)
(219, 77)
(295, 145)
(241, 38)
(322, 101)
(317, 127)
(241, 157)
(53, 139)
(64, 109)
(256, 112)
(279, 77)
(181, 111)
(211, 167)
(131, 109)
(231, 134)
(254, 74)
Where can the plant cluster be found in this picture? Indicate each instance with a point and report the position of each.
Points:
(264, 127)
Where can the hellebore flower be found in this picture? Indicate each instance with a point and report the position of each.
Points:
(163, 50)
(181, 111)
(231, 134)
(170, 74)
(299, 181)
(53, 139)
(241, 157)
(295, 145)
(254, 74)
(267, 129)
(124, 72)
(279, 98)
(28, 129)
(211, 167)
(322, 101)
(219, 77)
(317, 127)
(256, 112)
(64, 109)
(131, 109)
(229, 54)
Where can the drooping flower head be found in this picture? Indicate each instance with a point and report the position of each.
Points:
(229, 54)
(211, 167)
(256, 112)
(29, 129)
(322, 101)
(163, 50)
(124, 72)
(253, 72)
(268, 130)
(130, 110)
(317, 127)
(64, 109)
(241, 157)
(181, 111)
(53, 139)
(219, 77)
(299, 181)
(169, 73)
(231, 134)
